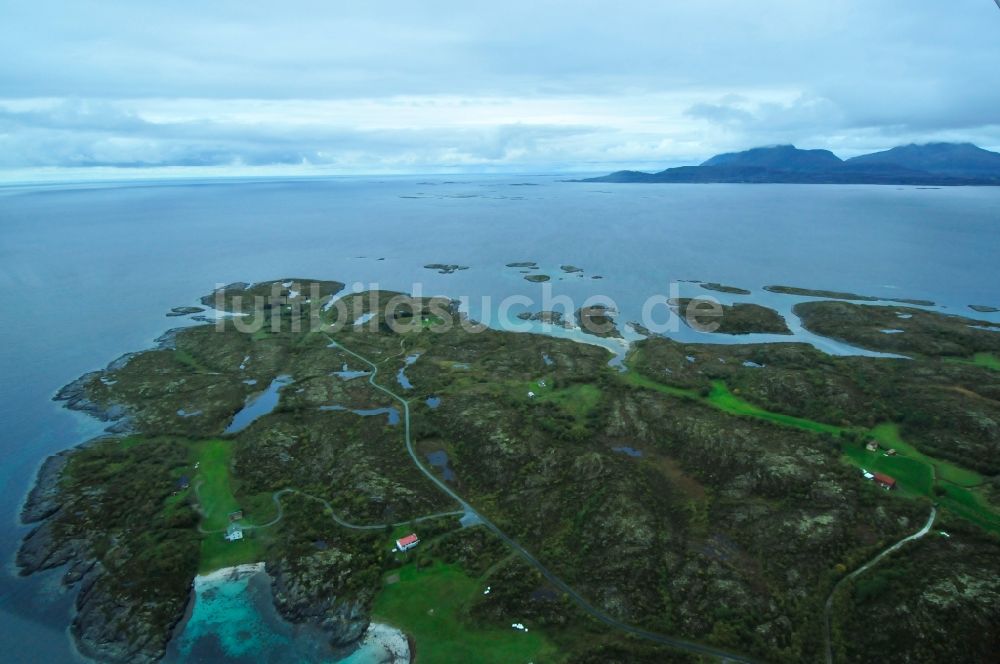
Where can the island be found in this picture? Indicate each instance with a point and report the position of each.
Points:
(702, 500)
(546, 317)
(722, 288)
(598, 320)
(184, 311)
(446, 268)
(839, 295)
(741, 318)
(937, 164)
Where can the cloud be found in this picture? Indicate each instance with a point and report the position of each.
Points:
(85, 133)
(421, 86)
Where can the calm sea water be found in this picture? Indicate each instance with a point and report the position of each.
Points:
(88, 272)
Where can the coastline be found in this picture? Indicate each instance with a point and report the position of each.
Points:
(237, 598)
(228, 574)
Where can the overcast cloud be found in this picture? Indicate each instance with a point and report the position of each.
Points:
(476, 86)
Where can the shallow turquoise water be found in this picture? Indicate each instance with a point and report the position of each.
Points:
(225, 622)
(232, 619)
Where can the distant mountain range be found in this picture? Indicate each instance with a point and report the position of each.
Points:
(934, 164)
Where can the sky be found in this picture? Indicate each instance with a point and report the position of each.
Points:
(530, 87)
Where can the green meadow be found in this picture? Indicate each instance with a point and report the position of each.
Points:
(214, 490)
(431, 605)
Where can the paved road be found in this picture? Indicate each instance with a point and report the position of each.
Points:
(680, 644)
(829, 600)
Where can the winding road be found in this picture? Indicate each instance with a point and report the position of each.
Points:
(340, 521)
(595, 612)
(828, 647)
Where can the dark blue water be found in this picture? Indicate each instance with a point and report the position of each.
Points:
(401, 376)
(258, 405)
(439, 459)
(391, 413)
(89, 273)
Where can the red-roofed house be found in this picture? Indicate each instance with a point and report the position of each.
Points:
(885, 481)
(408, 542)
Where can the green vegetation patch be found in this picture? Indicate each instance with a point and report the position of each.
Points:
(721, 397)
(888, 436)
(917, 474)
(579, 399)
(214, 491)
(985, 360)
(431, 605)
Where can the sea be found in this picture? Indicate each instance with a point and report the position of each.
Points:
(89, 269)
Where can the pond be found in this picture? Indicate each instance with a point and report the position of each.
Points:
(258, 405)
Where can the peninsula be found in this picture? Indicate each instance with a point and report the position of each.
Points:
(503, 496)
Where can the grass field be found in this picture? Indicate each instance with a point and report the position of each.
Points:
(913, 476)
(888, 436)
(215, 496)
(430, 606)
(986, 360)
(725, 400)
(577, 399)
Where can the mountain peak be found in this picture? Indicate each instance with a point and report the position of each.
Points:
(928, 164)
(945, 158)
(781, 157)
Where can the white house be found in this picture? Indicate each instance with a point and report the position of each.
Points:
(408, 542)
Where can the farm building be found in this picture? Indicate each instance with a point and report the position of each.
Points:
(885, 481)
(408, 542)
(234, 532)
(872, 446)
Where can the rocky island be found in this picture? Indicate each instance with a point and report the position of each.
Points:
(706, 501)
(740, 318)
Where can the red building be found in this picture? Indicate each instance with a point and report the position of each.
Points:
(885, 481)
(408, 542)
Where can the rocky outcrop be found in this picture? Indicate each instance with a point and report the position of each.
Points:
(310, 592)
(184, 311)
(43, 499)
(107, 629)
(77, 397)
(108, 625)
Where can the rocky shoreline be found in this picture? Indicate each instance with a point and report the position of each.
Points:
(298, 599)
(99, 615)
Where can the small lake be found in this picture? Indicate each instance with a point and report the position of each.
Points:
(259, 405)
(401, 378)
(392, 413)
(439, 459)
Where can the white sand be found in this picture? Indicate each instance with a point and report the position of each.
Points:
(228, 574)
(387, 644)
